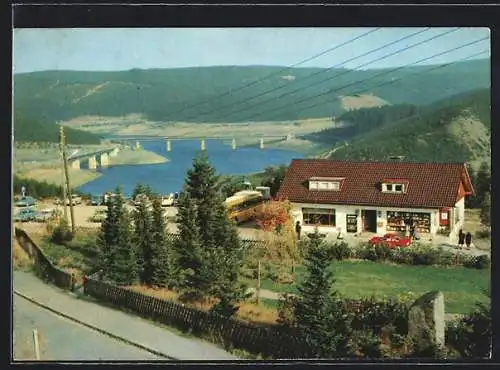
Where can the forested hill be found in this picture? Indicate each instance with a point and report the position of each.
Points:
(215, 94)
(454, 129)
(28, 128)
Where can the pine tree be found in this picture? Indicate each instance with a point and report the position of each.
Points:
(201, 185)
(486, 210)
(226, 260)
(319, 315)
(483, 182)
(161, 273)
(107, 238)
(193, 280)
(143, 240)
(123, 269)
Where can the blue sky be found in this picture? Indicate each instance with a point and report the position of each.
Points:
(126, 48)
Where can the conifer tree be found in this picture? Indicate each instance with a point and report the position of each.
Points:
(143, 240)
(486, 210)
(483, 182)
(320, 317)
(161, 261)
(201, 185)
(220, 247)
(193, 280)
(123, 269)
(108, 237)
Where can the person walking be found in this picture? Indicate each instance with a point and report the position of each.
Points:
(298, 229)
(461, 239)
(468, 240)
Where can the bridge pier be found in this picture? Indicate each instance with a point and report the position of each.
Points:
(114, 152)
(202, 144)
(75, 163)
(261, 143)
(233, 144)
(104, 159)
(169, 146)
(92, 162)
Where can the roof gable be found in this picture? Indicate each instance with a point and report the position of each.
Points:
(430, 185)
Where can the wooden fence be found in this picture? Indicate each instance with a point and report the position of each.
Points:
(266, 340)
(42, 263)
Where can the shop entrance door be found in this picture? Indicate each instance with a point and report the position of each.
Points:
(369, 220)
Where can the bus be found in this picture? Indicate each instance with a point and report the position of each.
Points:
(245, 205)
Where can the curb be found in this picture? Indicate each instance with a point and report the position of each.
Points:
(104, 332)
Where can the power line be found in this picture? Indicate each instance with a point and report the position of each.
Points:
(353, 70)
(410, 75)
(360, 81)
(311, 75)
(231, 91)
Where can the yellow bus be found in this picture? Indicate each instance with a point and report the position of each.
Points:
(244, 205)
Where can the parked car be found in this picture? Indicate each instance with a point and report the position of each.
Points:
(25, 201)
(391, 240)
(75, 199)
(98, 216)
(45, 215)
(168, 200)
(176, 199)
(96, 200)
(25, 215)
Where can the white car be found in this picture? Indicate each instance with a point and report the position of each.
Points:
(75, 199)
(168, 200)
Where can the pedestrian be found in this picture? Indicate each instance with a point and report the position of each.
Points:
(468, 240)
(298, 228)
(461, 239)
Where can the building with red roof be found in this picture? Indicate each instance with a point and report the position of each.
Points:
(377, 197)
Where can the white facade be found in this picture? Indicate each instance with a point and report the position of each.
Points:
(456, 216)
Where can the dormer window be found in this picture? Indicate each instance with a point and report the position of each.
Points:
(394, 186)
(325, 183)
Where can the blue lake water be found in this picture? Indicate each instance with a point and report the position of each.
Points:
(169, 177)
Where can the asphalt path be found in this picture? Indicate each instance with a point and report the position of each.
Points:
(61, 339)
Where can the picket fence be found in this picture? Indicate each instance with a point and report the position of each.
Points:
(229, 332)
(49, 271)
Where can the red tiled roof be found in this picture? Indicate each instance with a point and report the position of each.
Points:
(431, 185)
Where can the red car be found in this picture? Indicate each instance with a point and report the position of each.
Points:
(391, 241)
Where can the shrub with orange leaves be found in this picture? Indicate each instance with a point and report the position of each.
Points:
(274, 215)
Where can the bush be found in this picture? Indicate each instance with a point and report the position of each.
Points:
(61, 234)
(483, 234)
(284, 278)
(341, 251)
(382, 252)
(366, 252)
(478, 262)
(426, 256)
(375, 314)
(402, 256)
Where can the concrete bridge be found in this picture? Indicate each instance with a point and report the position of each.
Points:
(168, 140)
(100, 158)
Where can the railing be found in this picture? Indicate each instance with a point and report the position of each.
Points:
(43, 265)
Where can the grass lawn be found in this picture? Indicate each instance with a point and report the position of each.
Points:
(462, 287)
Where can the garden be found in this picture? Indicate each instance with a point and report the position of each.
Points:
(343, 291)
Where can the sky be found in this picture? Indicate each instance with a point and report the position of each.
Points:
(109, 49)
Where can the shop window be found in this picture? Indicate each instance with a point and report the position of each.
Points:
(319, 216)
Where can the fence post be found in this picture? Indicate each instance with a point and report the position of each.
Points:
(73, 282)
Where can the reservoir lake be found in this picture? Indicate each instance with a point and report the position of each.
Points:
(169, 177)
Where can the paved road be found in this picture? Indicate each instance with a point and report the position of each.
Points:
(64, 340)
(129, 327)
